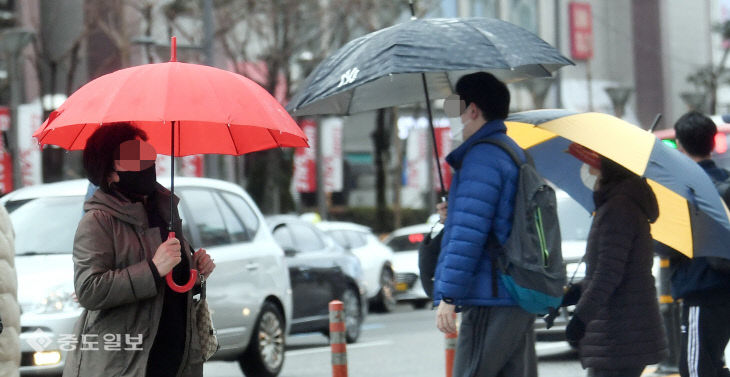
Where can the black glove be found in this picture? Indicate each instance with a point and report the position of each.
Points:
(572, 295)
(576, 329)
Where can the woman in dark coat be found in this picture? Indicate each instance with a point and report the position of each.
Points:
(616, 320)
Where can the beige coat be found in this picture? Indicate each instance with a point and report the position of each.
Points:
(9, 310)
(115, 284)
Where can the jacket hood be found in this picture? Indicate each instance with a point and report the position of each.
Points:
(635, 189)
(488, 129)
(130, 212)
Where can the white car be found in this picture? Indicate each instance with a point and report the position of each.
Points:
(405, 242)
(249, 294)
(375, 257)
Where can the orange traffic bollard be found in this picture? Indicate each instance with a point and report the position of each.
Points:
(337, 339)
(450, 352)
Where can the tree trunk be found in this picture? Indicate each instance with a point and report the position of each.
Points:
(398, 172)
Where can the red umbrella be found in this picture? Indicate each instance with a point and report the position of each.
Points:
(184, 109)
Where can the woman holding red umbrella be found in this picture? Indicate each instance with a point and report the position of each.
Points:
(133, 323)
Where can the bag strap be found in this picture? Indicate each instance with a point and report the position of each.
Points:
(508, 149)
(492, 238)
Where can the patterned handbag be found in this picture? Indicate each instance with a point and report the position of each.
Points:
(206, 332)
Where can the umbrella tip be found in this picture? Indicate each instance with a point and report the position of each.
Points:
(173, 49)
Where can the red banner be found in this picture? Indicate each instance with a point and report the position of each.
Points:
(192, 166)
(305, 174)
(443, 142)
(581, 31)
(6, 162)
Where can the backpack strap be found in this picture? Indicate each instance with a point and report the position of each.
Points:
(508, 149)
(492, 241)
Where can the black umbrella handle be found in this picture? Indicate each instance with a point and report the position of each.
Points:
(433, 134)
(172, 177)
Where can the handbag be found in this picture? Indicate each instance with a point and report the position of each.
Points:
(428, 256)
(206, 332)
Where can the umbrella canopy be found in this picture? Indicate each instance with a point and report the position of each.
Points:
(214, 111)
(692, 217)
(383, 68)
(184, 109)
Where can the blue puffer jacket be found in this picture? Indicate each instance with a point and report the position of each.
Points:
(481, 200)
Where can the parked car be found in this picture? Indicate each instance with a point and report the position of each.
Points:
(320, 271)
(405, 242)
(249, 293)
(376, 260)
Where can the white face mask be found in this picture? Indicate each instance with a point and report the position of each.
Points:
(457, 131)
(587, 177)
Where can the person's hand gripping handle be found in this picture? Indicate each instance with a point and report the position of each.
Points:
(166, 258)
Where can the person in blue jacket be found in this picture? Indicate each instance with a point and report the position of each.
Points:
(496, 336)
(703, 284)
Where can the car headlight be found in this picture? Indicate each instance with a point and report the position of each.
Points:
(55, 301)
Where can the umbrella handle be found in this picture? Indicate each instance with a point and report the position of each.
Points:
(181, 288)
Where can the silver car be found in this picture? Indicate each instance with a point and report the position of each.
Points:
(376, 260)
(249, 294)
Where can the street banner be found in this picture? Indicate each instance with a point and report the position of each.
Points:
(581, 30)
(162, 165)
(443, 142)
(30, 116)
(416, 154)
(6, 161)
(419, 153)
(305, 174)
(191, 166)
(332, 154)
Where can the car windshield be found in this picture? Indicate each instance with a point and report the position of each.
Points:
(46, 225)
(406, 242)
(575, 221)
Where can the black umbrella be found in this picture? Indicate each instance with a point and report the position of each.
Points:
(393, 66)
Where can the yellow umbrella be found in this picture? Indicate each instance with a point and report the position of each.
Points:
(692, 217)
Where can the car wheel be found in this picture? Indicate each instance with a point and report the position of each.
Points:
(385, 301)
(265, 353)
(353, 317)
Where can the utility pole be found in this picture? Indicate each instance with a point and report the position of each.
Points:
(558, 81)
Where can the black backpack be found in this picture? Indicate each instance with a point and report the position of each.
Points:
(531, 260)
(428, 256)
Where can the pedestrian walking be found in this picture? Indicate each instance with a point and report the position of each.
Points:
(616, 322)
(496, 336)
(121, 254)
(702, 284)
(9, 309)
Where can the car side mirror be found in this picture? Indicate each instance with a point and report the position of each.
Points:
(290, 252)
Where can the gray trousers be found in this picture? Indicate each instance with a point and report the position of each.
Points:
(496, 341)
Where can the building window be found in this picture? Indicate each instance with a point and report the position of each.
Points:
(524, 13)
(485, 8)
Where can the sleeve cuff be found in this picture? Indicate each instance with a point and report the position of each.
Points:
(155, 274)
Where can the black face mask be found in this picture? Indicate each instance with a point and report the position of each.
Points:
(137, 183)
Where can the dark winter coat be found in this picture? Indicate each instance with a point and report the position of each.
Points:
(481, 202)
(619, 300)
(119, 291)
